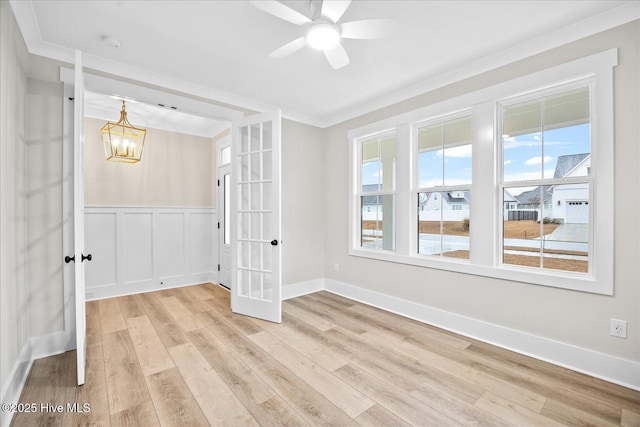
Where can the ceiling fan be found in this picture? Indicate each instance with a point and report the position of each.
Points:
(323, 30)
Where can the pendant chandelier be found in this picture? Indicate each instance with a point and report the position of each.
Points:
(122, 141)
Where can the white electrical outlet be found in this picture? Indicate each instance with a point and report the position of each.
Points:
(336, 266)
(619, 328)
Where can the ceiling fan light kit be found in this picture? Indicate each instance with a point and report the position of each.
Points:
(324, 33)
(323, 36)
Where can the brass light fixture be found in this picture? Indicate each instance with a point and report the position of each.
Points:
(122, 141)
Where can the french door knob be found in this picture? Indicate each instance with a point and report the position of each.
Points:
(87, 257)
(274, 242)
(68, 259)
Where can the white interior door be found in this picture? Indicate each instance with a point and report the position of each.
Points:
(255, 210)
(78, 217)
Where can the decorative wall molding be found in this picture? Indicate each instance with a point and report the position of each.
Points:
(142, 249)
(609, 368)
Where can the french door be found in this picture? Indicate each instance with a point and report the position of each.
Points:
(255, 209)
(78, 217)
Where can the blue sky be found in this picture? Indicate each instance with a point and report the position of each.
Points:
(523, 158)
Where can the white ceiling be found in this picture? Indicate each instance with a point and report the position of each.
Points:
(219, 49)
(140, 114)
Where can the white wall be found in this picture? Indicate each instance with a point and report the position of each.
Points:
(302, 209)
(44, 207)
(570, 317)
(13, 298)
(175, 170)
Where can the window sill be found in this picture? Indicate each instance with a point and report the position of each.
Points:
(552, 278)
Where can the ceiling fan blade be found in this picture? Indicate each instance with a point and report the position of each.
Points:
(334, 9)
(288, 48)
(337, 56)
(367, 29)
(281, 11)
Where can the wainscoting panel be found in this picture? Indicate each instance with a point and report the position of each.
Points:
(100, 242)
(139, 249)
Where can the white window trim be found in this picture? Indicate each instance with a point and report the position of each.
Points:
(485, 244)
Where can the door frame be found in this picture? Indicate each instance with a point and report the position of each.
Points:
(95, 83)
(223, 169)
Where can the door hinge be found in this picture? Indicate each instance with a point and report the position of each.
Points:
(218, 226)
(218, 267)
(218, 183)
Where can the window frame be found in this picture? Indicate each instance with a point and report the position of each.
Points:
(485, 240)
(586, 82)
(360, 194)
(438, 189)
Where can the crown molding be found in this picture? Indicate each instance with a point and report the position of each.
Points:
(27, 21)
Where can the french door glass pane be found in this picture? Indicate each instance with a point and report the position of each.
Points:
(227, 209)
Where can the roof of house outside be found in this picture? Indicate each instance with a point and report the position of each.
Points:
(567, 163)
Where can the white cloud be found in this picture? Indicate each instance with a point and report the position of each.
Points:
(526, 176)
(507, 162)
(459, 151)
(537, 160)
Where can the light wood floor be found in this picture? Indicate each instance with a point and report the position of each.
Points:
(180, 357)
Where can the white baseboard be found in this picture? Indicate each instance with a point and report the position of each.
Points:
(103, 292)
(12, 388)
(302, 288)
(609, 368)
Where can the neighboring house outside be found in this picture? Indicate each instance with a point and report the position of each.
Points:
(445, 205)
(571, 201)
(568, 203)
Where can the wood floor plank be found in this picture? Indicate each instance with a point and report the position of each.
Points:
(130, 307)
(394, 399)
(143, 414)
(309, 403)
(94, 327)
(379, 416)
(93, 392)
(111, 318)
(330, 315)
(407, 374)
(182, 315)
(166, 328)
(152, 354)
(512, 412)
(570, 415)
(125, 381)
(319, 322)
(275, 412)
(46, 385)
(245, 383)
(320, 354)
(519, 395)
(174, 403)
(345, 397)
(629, 419)
(216, 400)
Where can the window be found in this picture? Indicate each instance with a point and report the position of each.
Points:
(444, 177)
(534, 154)
(377, 191)
(546, 146)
